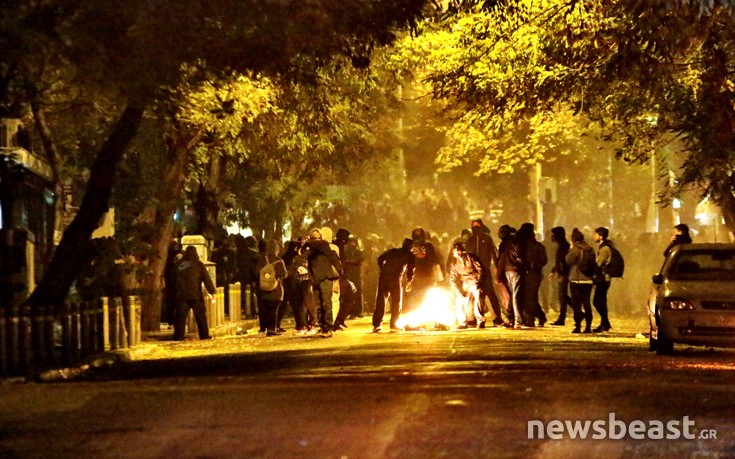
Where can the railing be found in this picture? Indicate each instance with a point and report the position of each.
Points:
(32, 341)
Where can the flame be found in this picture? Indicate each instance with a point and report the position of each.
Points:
(437, 307)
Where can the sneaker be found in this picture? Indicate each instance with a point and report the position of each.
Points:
(326, 334)
(557, 323)
(376, 329)
(576, 330)
(481, 325)
(395, 329)
(272, 333)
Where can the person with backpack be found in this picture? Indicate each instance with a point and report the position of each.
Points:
(602, 279)
(582, 266)
(271, 272)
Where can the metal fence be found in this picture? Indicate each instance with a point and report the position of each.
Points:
(32, 341)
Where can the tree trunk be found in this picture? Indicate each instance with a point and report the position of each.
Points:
(174, 179)
(68, 260)
(208, 197)
(54, 159)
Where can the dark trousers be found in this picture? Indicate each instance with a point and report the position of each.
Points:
(269, 313)
(487, 291)
(297, 298)
(563, 298)
(581, 303)
(345, 294)
(388, 288)
(531, 282)
(599, 301)
(200, 315)
(323, 297)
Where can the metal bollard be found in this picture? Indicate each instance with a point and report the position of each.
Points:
(114, 324)
(48, 336)
(84, 329)
(13, 340)
(248, 301)
(66, 320)
(3, 344)
(38, 337)
(74, 333)
(26, 338)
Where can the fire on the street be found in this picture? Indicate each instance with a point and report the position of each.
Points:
(436, 309)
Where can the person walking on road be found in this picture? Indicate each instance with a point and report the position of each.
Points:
(602, 282)
(190, 275)
(560, 270)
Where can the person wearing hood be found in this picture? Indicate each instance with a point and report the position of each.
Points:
(481, 244)
(428, 269)
(510, 264)
(190, 275)
(324, 268)
(580, 284)
(392, 264)
(680, 236)
(534, 258)
(560, 270)
(345, 290)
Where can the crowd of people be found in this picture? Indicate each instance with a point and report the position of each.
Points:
(324, 280)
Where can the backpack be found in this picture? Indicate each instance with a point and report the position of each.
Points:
(616, 266)
(267, 281)
(588, 264)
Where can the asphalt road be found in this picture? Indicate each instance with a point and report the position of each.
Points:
(433, 394)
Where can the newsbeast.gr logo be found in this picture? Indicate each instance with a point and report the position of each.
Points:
(614, 429)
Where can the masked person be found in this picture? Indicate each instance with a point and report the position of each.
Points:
(428, 269)
(392, 264)
(465, 275)
(560, 271)
(481, 243)
(510, 264)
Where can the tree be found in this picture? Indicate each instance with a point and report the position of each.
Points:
(134, 48)
(646, 72)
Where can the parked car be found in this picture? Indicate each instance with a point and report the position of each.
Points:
(692, 298)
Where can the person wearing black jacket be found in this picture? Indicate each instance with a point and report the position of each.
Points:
(481, 243)
(190, 275)
(324, 268)
(534, 259)
(681, 236)
(392, 264)
(509, 272)
(561, 271)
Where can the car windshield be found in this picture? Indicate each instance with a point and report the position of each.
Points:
(704, 264)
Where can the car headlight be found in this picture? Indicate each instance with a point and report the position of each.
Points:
(677, 303)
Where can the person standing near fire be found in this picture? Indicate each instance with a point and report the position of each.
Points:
(465, 275)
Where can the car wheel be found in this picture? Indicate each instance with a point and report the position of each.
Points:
(664, 346)
(660, 344)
